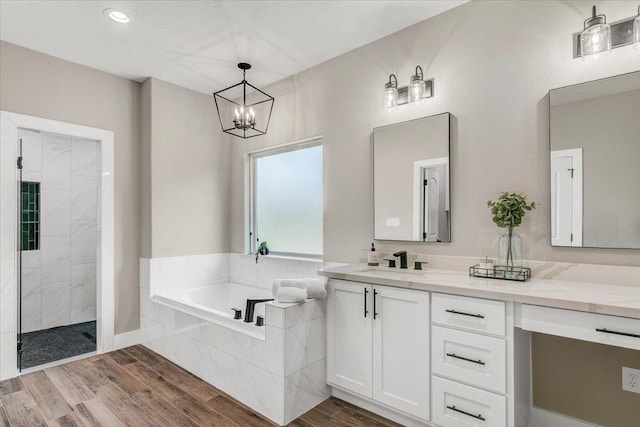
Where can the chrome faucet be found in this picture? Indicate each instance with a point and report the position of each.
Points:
(403, 258)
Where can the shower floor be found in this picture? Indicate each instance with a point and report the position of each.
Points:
(49, 345)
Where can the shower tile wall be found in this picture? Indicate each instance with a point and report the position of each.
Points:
(59, 280)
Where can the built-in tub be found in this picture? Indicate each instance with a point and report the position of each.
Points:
(214, 303)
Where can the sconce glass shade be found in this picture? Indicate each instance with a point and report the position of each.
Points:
(636, 31)
(390, 94)
(595, 40)
(417, 87)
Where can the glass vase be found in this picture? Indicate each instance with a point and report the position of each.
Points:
(510, 250)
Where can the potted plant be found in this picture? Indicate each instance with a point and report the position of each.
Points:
(508, 212)
(263, 249)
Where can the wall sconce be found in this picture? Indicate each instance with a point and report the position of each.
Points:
(417, 91)
(600, 38)
(390, 94)
(417, 87)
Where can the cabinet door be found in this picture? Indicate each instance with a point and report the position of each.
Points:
(401, 350)
(349, 336)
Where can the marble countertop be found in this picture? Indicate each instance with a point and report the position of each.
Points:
(613, 300)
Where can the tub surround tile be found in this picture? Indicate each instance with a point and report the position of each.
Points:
(305, 389)
(316, 340)
(168, 273)
(261, 390)
(295, 348)
(210, 269)
(268, 354)
(263, 374)
(274, 315)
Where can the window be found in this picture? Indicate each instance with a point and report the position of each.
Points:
(286, 195)
(30, 233)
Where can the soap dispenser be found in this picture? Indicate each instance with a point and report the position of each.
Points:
(373, 258)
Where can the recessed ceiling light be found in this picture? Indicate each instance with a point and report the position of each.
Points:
(117, 16)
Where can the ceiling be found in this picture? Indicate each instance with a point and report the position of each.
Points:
(197, 44)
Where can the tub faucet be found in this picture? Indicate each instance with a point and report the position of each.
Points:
(251, 305)
(403, 258)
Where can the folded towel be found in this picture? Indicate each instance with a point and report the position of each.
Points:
(315, 286)
(286, 294)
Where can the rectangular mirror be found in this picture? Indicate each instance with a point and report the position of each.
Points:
(595, 163)
(411, 180)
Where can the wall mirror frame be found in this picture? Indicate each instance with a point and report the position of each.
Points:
(411, 180)
(594, 147)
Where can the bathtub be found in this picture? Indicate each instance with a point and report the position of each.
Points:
(214, 304)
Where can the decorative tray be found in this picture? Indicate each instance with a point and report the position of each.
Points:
(518, 274)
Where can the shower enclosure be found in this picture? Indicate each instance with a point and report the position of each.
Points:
(58, 203)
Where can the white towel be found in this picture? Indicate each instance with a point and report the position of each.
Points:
(315, 286)
(287, 294)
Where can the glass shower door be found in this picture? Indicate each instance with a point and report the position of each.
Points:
(19, 269)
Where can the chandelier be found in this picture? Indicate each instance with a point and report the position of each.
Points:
(243, 109)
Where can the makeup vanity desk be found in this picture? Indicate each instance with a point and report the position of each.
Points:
(441, 348)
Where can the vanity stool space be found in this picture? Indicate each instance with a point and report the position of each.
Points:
(444, 349)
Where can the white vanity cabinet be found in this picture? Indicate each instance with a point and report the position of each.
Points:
(378, 345)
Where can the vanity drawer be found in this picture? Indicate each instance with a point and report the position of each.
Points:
(473, 314)
(458, 405)
(474, 359)
(600, 328)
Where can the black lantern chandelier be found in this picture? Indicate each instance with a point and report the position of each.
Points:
(243, 109)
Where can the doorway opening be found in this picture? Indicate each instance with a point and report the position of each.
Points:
(57, 235)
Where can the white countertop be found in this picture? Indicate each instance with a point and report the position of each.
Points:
(614, 300)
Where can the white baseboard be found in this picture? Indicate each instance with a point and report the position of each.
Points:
(126, 340)
(377, 409)
(542, 418)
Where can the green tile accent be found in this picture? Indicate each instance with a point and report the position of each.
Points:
(30, 216)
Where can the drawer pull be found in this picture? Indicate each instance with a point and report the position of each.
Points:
(479, 316)
(455, 356)
(469, 414)
(626, 334)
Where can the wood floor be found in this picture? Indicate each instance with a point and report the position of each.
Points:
(138, 388)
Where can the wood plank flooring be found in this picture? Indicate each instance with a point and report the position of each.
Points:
(139, 388)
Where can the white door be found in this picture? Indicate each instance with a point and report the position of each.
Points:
(349, 335)
(431, 194)
(561, 200)
(401, 350)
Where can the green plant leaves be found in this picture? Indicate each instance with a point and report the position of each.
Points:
(510, 209)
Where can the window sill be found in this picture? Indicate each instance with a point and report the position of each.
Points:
(286, 258)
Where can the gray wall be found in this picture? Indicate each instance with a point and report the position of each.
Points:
(493, 64)
(43, 86)
(185, 167)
